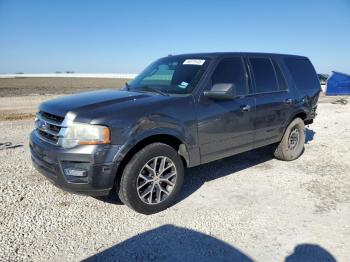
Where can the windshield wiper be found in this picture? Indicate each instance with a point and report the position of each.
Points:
(157, 90)
(127, 86)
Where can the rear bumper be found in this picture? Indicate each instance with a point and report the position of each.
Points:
(96, 162)
(311, 116)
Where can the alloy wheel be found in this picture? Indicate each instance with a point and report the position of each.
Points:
(156, 180)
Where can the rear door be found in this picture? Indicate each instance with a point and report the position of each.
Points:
(273, 99)
(226, 127)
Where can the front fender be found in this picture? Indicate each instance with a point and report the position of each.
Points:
(176, 119)
(146, 128)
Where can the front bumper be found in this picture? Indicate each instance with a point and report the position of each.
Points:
(97, 161)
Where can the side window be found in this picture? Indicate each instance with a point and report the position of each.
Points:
(231, 70)
(264, 75)
(303, 73)
(281, 80)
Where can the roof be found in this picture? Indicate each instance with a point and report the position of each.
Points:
(340, 73)
(221, 54)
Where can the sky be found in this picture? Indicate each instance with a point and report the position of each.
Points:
(103, 36)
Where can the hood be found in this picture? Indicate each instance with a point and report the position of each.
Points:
(92, 101)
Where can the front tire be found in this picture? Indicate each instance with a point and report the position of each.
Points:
(152, 179)
(292, 143)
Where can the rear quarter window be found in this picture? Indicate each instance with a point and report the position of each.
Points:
(303, 73)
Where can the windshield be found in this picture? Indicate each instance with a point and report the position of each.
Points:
(177, 75)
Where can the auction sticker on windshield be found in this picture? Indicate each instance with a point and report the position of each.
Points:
(194, 62)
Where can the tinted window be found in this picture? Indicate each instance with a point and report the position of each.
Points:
(303, 73)
(280, 78)
(231, 70)
(264, 75)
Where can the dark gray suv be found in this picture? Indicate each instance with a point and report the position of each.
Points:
(181, 111)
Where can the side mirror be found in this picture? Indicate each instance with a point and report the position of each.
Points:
(221, 92)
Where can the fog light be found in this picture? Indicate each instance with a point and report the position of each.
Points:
(75, 172)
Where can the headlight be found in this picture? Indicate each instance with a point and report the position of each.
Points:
(84, 134)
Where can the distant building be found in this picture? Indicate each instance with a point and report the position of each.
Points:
(338, 84)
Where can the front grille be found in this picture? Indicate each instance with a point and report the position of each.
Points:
(48, 136)
(52, 117)
(48, 126)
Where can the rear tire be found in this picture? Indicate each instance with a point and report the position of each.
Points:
(152, 179)
(292, 144)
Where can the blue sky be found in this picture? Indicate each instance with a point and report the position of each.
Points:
(124, 36)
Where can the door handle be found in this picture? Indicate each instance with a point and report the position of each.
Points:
(245, 108)
(288, 101)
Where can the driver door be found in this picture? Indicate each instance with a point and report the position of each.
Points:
(226, 127)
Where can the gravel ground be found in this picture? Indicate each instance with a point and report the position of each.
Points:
(250, 207)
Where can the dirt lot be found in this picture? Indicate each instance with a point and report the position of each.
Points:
(49, 85)
(250, 207)
(19, 97)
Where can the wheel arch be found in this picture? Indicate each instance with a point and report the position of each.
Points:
(166, 138)
(301, 114)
